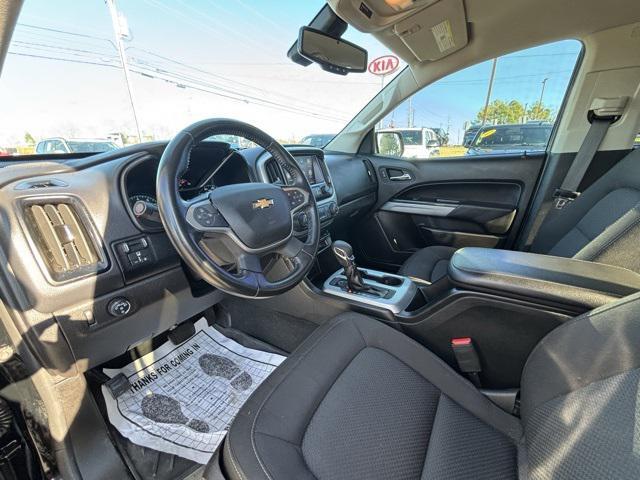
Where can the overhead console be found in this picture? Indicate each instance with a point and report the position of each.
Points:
(422, 30)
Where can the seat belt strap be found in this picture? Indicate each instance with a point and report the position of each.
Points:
(603, 112)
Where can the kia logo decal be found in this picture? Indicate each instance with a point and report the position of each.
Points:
(384, 65)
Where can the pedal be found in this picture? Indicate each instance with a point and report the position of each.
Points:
(181, 333)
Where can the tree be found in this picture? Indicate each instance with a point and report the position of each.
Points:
(539, 112)
(500, 112)
(28, 139)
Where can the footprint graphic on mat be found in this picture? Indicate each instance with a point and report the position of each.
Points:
(217, 366)
(163, 409)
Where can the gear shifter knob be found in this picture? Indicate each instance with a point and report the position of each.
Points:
(344, 254)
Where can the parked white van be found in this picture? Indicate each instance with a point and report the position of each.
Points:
(419, 142)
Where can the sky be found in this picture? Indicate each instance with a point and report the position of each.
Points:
(455, 100)
(194, 59)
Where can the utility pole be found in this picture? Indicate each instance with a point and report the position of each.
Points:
(544, 82)
(410, 113)
(486, 102)
(117, 30)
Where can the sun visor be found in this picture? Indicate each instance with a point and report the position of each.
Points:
(435, 32)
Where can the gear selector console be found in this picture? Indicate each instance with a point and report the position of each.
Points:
(384, 290)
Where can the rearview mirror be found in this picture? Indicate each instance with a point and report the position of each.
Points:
(332, 54)
(390, 144)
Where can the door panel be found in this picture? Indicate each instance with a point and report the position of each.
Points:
(458, 202)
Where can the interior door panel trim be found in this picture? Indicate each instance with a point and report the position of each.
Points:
(419, 208)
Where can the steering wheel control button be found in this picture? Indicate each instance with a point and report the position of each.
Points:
(119, 307)
(204, 215)
(301, 221)
(296, 198)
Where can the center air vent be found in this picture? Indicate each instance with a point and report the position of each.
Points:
(274, 174)
(62, 240)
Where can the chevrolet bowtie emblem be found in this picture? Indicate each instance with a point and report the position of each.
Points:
(262, 203)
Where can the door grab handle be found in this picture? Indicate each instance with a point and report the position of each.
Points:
(400, 178)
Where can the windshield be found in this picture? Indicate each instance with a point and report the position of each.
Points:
(64, 78)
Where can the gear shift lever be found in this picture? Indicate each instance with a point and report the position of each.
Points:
(344, 254)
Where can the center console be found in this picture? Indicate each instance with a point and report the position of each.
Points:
(502, 302)
(383, 290)
(377, 289)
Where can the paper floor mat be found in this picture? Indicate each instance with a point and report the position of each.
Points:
(182, 399)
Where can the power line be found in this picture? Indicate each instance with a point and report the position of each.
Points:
(227, 79)
(203, 89)
(193, 79)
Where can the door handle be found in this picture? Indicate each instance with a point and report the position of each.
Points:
(400, 178)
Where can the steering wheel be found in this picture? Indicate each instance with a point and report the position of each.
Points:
(251, 220)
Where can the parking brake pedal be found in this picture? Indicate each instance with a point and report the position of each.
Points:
(467, 358)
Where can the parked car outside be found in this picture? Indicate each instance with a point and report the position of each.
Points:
(470, 135)
(318, 140)
(419, 142)
(75, 145)
(442, 134)
(512, 138)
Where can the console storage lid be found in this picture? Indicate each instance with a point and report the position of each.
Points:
(541, 278)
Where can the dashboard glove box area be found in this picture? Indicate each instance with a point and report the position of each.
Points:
(557, 281)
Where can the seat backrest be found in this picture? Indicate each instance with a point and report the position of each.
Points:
(602, 224)
(580, 398)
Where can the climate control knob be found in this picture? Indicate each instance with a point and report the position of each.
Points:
(333, 209)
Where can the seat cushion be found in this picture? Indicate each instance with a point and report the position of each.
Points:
(361, 400)
(430, 263)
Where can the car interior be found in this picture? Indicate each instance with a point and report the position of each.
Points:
(467, 317)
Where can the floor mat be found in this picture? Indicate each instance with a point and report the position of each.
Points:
(182, 399)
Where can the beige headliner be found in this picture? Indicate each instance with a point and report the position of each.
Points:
(497, 27)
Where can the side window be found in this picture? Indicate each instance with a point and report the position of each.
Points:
(501, 106)
(58, 147)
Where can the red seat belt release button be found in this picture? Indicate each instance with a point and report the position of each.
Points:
(466, 355)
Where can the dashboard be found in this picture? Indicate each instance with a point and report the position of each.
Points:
(210, 164)
(129, 283)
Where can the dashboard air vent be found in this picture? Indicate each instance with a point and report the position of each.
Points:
(274, 174)
(62, 240)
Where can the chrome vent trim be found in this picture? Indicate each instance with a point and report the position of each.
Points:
(63, 240)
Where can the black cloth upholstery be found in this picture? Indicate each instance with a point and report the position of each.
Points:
(361, 400)
(429, 263)
(580, 398)
(602, 225)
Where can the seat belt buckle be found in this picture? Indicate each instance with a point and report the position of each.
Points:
(467, 358)
(563, 197)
